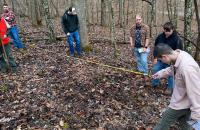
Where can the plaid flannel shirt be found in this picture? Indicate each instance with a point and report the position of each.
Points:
(10, 18)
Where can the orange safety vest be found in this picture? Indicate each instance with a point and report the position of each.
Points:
(3, 32)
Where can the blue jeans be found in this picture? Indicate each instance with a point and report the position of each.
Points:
(70, 38)
(141, 59)
(14, 34)
(157, 67)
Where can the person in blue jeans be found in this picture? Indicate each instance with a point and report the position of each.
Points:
(169, 37)
(139, 40)
(70, 25)
(13, 31)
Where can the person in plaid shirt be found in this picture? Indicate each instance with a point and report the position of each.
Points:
(9, 16)
(139, 40)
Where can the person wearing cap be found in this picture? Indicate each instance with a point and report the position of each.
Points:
(6, 59)
(184, 105)
(9, 16)
(139, 40)
(169, 37)
(70, 25)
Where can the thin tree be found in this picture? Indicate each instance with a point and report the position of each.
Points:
(81, 10)
(57, 14)
(172, 11)
(197, 53)
(49, 21)
(112, 28)
(152, 5)
(105, 19)
(187, 24)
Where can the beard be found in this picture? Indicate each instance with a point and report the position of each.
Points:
(138, 24)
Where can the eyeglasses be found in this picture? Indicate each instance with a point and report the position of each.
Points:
(167, 30)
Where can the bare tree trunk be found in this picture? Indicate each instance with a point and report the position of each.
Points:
(81, 8)
(56, 8)
(1, 6)
(97, 7)
(49, 21)
(127, 12)
(121, 12)
(112, 28)
(33, 12)
(105, 18)
(172, 11)
(152, 4)
(197, 53)
(163, 14)
(187, 24)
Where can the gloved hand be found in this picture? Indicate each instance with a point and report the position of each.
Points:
(68, 34)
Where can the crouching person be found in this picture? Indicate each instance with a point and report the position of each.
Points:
(6, 59)
(184, 105)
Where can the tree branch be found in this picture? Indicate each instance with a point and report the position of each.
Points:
(148, 2)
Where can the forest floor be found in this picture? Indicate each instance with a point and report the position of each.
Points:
(54, 91)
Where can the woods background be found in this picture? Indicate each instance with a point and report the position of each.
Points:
(183, 13)
(52, 90)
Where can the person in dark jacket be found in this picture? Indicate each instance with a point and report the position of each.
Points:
(70, 25)
(169, 37)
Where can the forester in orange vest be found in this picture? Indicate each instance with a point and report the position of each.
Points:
(5, 49)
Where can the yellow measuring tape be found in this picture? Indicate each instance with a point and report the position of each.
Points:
(108, 66)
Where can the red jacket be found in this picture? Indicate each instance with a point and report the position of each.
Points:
(3, 30)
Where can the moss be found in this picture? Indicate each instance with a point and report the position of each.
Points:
(87, 48)
(4, 88)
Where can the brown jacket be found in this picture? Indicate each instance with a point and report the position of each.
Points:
(144, 33)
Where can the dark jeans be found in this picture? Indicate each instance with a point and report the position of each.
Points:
(70, 38)
(157, 67)
(170, 116)
(11, 62)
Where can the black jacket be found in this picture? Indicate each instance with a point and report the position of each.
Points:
(173, 41)
(69, 22)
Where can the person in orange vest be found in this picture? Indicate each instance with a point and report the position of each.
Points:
(6, 59)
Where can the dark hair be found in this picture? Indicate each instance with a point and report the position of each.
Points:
(168, 26)
(5, 4)
(162, 49)
(70, 9)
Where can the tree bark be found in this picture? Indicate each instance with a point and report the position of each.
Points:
(112, 28)
(187, 24)
(105, 18)
(49, 21)
(81, 9)
(197, 53)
